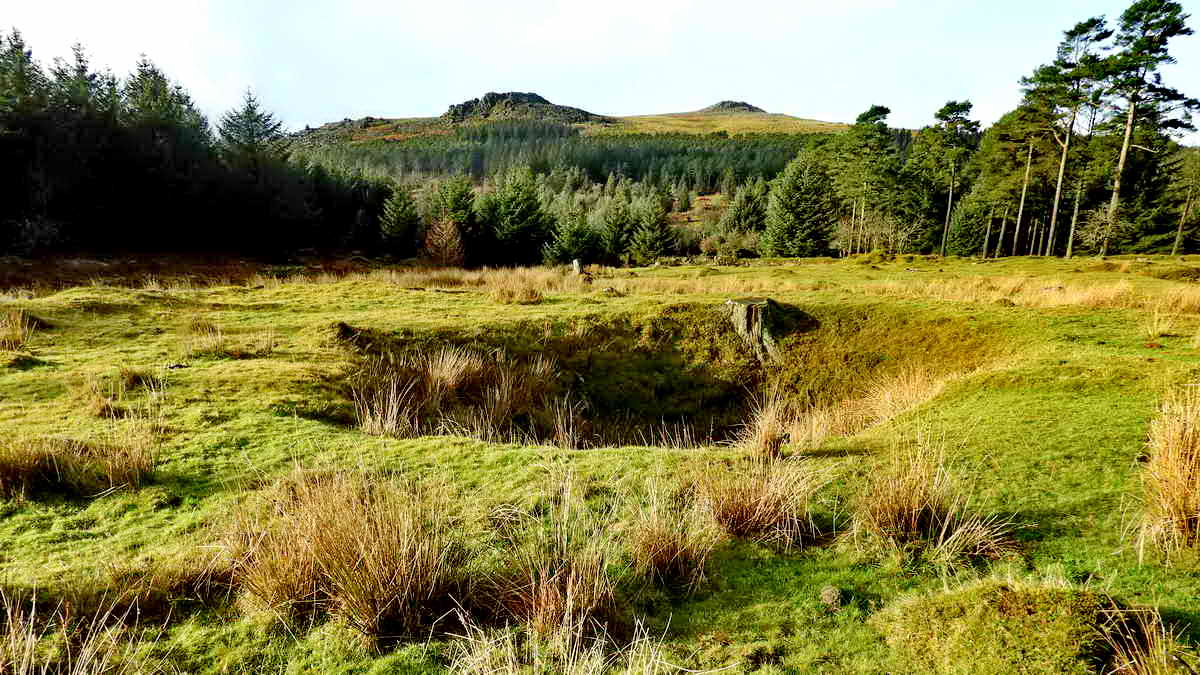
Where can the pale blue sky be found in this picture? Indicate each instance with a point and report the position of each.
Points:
(314, 62)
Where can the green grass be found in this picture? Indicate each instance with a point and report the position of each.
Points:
(712, 122)
(1046, 417)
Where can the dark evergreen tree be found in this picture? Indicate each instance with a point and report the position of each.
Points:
(399, 224)
(518, 223)
(654, 236)
(748, 211)
(572, 239)
(800, 212)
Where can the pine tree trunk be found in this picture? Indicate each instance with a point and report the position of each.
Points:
(1187, 205)
(1074, 217)
(987, 232)
(1003, 227)
(949, 204)
(1062, 173)
(1115, 203)
(1024, 191)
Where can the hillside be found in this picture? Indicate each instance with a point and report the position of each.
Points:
(730, 117)
(730, 122)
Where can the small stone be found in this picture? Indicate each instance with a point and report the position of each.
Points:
(831, 597)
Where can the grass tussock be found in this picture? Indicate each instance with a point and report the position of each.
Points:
(386, 558)
(913, 504)
(771, 500)
(16, 328)
(525, 295)
(130, 392)
(204, 339)
(515, 651)
(671, 538)
(37, 640)
(774, 423)
(1170, 521)
(767, 432)
(455, 390)
(557, 572)
(1158, 324)
(125, 457)
(1143, 644)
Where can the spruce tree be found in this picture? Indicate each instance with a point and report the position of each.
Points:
(614, 221)
(800, 210)
(399, 222)
(654, 236)
(748, 212)
(518, 222)
(251, 135)
(572, 239)
(683, 197)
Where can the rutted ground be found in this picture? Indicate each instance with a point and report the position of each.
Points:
(1039, 398)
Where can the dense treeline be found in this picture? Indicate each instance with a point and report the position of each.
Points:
(1085, 164)
(485, 150)
(92, 161)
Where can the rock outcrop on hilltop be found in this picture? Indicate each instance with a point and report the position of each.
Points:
(516, 105)
(733, 106)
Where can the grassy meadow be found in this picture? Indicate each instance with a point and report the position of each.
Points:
(952, 466)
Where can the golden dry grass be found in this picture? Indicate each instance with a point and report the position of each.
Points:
(455, 390)
(770, 500)
(38, 640)
(1142, 644)
(386, 558)
(556, 576)
(881, 399)
(671, 539)
(1042, 292)
(517, 296)
(124, 457)
(16, 327)
(571, 651)
(1171, 477)
(912, 502)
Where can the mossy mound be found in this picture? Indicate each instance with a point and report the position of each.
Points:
(994, 627)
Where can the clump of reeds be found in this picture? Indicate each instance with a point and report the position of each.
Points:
(913, 503)
(16, 327)
(1158, 324)
(768, 499)
(570, 650)
(35, 640)
(1142, 644)
(1171, 477)
(521, 295)
(671, 538)
(455, 390)
(556, 575)
(387, 558)
(124, 457)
